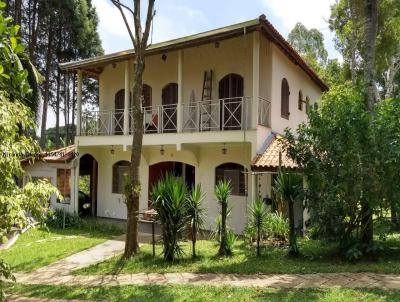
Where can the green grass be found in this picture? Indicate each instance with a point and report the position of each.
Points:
(315, 257)
(38, 247)
(202, 293)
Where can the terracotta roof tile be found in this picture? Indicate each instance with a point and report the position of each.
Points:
(269, 159)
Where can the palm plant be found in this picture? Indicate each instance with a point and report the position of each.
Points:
(222, 193)
(258, 214)
(289, 188)
(196, 214)
(170, 201)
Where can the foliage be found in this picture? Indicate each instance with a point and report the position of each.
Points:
(277, 226)
(5, 272)
(84, 184)
(196, 214)
(289, 188)
(170, 201)
(309, 44)
(258, 216)
(351, 161)
(231, 239)
(222, 193)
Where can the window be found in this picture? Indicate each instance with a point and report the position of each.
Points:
(307, 104)
(237, 176)
(64, 184)
(146, 95)
(119, 170)
(300, 105)
(285, 99)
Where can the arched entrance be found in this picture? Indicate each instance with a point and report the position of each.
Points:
(87, 186)
(157, 171)
(230, 90)
(169, 102)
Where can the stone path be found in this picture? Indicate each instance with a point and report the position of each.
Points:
(16, 298)
(326, 280)
(60, 272)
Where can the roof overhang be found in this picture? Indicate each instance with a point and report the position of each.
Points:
(94, 66)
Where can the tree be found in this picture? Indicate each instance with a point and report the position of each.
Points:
(258, 216)
(16, 123)
(288, 187)
(309, 44)
(196, 215)
(222, 192)
(337, 153)
(139, 40)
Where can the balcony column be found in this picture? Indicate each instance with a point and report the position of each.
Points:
(180, 91)
(256, 79)
(126, 99)
(79, 103)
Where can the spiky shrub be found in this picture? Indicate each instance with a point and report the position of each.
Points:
(196, 214)
(258, 216)
(289, 187)
(230, 240)
(222, 193)
(277, 226)
(170, 197)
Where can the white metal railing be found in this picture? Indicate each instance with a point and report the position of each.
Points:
(210, 115)
(264, 112)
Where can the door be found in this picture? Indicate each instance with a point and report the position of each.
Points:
(169, 112)
(231, 93)
(118, 118)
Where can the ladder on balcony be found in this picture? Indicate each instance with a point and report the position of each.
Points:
(205, 100)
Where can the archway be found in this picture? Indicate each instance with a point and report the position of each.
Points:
(87, 184)
(157, 171)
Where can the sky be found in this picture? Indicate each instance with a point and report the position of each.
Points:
(177, 18)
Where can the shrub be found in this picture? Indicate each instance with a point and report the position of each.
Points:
(276, 226)
(230, 241)
(170, 197)
(258, 215)
(196, 215)
(222, 193)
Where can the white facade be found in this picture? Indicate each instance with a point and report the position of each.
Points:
(259, 62)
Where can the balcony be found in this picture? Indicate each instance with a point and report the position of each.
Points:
(211, 115)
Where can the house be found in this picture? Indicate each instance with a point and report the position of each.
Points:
(211, 103)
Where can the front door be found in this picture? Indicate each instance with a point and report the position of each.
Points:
(118, 118)
(169, 112)
(231, 93)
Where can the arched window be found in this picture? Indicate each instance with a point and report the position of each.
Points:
(119, 171)
(230, 89)
(300, 104)
(236, 174)
(285, 99)
(146, 95)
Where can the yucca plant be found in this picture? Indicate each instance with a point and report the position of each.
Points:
(196, 214)
(222, 193)
(170, 196)
(289, 187)
(258, 215)
(230, 240)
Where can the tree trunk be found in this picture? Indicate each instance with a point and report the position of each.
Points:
(223, 249)
(73, 107)
(370, 92)
(258, 240)
(17, 13)
(194, 239)
(293, 250)
(131, 246)
(57, 138)
(47, 84)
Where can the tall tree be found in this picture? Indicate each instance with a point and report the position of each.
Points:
(139, 38)
(310, 45)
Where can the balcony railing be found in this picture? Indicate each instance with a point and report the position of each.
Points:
(212, 115)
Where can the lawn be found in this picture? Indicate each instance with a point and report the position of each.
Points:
(315, 257)
(202, 293)
(38, 247)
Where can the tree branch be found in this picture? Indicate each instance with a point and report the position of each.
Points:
(137, 23)
(119, 5)
(149, 19)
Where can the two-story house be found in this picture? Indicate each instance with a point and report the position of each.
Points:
(210, 103)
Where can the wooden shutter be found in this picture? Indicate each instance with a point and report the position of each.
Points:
(300, 104)
(146, 94)
(285, 99)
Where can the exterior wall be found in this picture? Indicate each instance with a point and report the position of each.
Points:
(49, 170)
(282, 67)
(204, 158)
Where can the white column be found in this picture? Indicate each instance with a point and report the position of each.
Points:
(180, 90)
(256, 79)
(126, 99)
(79, 104)
(76, 184)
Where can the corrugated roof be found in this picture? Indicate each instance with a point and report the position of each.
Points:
(269, 159)
(261, 24)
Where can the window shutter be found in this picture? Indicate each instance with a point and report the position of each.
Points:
(115, 178)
